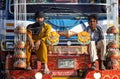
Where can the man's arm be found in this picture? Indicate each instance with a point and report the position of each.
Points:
(29, 36)
(101, 34)
(48, 29)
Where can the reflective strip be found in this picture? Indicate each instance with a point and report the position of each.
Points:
(9, 30)
(9, 37)
(10, 24)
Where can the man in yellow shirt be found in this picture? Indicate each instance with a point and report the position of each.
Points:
(37, 33)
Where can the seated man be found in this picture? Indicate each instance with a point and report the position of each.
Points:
(38, 32)
(97, 41)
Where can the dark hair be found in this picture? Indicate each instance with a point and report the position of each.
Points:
(92, 16)
(39, 15)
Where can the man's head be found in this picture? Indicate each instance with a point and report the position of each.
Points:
(92, 21)
(39, 16)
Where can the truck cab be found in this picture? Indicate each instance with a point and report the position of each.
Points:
(68, 58)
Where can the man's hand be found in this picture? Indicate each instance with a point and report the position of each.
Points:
(37, 44)
(31, 41)
(32, 44)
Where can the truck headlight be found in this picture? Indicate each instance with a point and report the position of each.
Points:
(97, 75)
(38, 75)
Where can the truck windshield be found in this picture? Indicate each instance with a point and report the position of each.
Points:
(60, 7)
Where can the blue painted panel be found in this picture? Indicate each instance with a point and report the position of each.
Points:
(9, 37)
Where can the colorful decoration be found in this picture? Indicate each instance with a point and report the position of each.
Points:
(84, 37)
(112, 44)
(113, 55)
(67, 33)
(105, 74)
(20, 64)
(20, 29)
(19, 50)
(53, 39)
(20, 44)
(112, 29)
(20, 54)
(71, 50)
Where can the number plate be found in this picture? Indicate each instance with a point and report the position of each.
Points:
(66, 63)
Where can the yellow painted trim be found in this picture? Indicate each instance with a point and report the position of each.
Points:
(67, 78)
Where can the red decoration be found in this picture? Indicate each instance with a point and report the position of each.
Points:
(105, 74)
(47, 76)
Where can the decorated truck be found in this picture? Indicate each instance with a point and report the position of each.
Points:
(68, 55)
